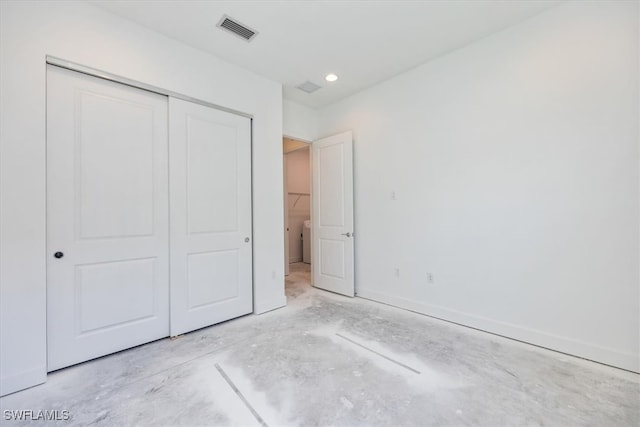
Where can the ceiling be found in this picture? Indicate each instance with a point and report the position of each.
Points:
(363, 42)
(290, 144)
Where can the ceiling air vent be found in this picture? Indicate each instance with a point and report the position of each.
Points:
(236, 28)
(308, 87)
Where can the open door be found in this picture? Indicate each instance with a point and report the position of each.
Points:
(332, 220)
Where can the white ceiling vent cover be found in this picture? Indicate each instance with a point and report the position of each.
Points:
(234, 27)
(308, 87)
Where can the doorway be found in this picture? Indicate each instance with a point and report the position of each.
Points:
(322, 172)
(297, 203)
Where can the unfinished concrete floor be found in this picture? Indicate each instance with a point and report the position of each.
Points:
(331, 360)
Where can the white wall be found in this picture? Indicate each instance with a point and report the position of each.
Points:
(83, 34)
(515, 166)
(299, 121)
(298, 181)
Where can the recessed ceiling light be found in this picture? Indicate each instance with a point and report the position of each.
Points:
(331, 77)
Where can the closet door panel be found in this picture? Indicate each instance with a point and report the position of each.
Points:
(107, 217)
(210, 186)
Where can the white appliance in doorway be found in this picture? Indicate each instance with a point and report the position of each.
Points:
(108, 217)
(306, 242)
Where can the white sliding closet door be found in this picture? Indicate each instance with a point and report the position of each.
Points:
(210, 187)
(107, 217)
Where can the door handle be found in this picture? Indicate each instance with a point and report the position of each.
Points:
(348, 234)
(58, 255)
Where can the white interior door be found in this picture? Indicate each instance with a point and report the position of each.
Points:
(210, 187)
(332, 220)
(107, 217)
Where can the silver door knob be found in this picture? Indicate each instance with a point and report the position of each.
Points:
(347, 234)
(246, 240)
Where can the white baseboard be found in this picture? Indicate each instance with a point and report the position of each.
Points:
(608, 356)
(20, 381)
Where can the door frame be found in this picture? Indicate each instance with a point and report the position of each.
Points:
(285, 197)
(312, 201)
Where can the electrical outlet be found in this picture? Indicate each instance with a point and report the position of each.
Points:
(430, 278)
(393, 194)
(396, 271)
